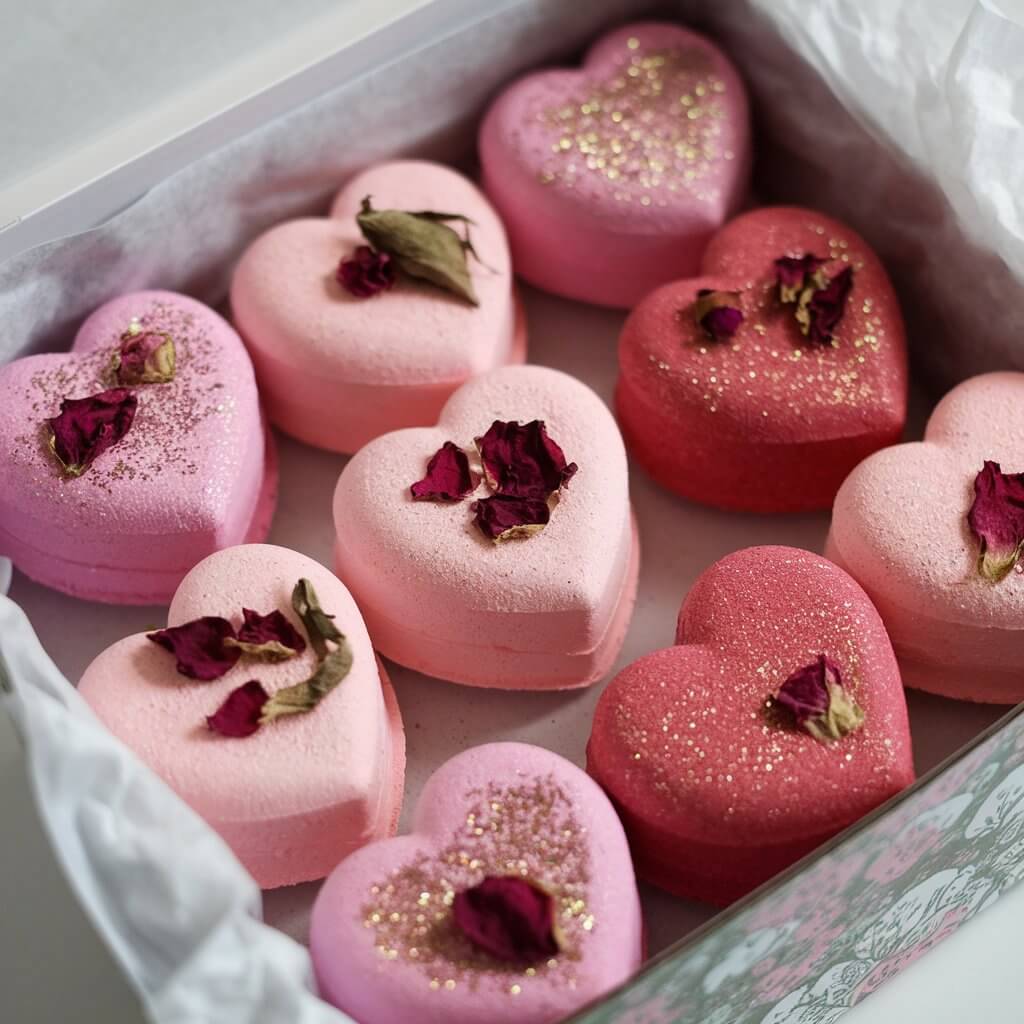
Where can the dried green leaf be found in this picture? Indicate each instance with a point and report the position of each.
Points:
(319, 625)
(304, 696)
(272, 650)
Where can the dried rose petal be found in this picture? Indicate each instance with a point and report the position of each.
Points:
(819, 313)
(366, 272)
(996, 519)
(819, 702)
(520, 460)
(794, 274)
(87, 427)
(200, 647)
(144, 357)
(508, 917)
(448, 476)
(718, 314)
(271, 637)
(239, 715)
(505, 517)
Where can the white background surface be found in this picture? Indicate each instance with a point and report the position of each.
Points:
(77, 94)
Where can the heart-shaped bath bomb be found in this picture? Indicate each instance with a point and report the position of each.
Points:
(612, 179)
(900, 528)
(193, 474)
(304, 790)
(765, 419)
(385, 942)
(336, 369)
(717, 785)
(548, 611)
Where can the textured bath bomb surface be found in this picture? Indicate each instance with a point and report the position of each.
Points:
(717, 790)
(384, 943)
(545, 612)
(900, 528)
(612, 178)
(337, 370)
(195, 472)
(765, 420)
(303, 791)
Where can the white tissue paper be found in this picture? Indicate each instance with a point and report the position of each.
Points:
(902, 118)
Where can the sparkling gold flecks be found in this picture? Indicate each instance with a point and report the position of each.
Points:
(652, 129)
(529, 830)
(160, 443)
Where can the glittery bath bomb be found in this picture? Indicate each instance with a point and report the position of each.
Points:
(722, 396)
(298, 793)
(719, 783)
(512, 900)
(192, 473)
(901, 527)
(611, 179)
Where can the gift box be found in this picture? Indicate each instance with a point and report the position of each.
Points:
(893, 118)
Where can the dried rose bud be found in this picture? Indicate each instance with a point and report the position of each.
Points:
(520, 460)
(270, 637)
(448, 476)
(86, 427)
(503, 517)
(366, 272)
(200, 647)
(144, 357)
(996, 519)
(818, 701)
(819, 312)
(794, 274)
(239, 716)
(718, 314)
(510, 918)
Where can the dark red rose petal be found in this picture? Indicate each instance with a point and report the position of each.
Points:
(87, 427)
(448, 477)
(826, 307)
(199, 647)
(805, 692)
(996, 519)
(510, 918)
(717, 313)
(366, 272)
(795, 273)
(239, 715)
(270, 628)
(503, 517)
(145, 357)
(520, 460)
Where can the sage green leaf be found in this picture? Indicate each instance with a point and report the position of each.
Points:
(319, 625)
(304, 696)
(272, 650)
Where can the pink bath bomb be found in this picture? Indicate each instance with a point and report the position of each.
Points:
(764, 418)
(717, 784)
(194, 473)
(384, 939)
(302, 791)
(900, 528)
(611, 179)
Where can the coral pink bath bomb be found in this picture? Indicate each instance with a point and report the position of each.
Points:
(338, 364)
(453, 924)
(159, 458)
(297, 793)
(509, 563)
(902, 526)
(719, 782)
(612, 179)
(758, 386)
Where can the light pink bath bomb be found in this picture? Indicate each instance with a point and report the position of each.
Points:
(337, 370)
(716, 786)
(612, 179)
(764, 420)
(302, 792)
(195, 472)
(549, 611)
(899, 527)
(385, 947)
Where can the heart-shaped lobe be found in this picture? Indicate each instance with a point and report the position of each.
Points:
(716, 785)
(765, 419)
(337, 369)
(384, 943)
(900, 528)
(548, 611)
(304, 790)
(612, 179)
(193, 474)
